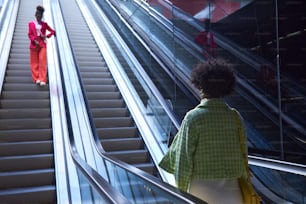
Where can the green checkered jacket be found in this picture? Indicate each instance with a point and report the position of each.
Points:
(207, 145)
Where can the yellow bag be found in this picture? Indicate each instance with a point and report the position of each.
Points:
(249, 194)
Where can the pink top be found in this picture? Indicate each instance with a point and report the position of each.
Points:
(33, 33)
(206, 40)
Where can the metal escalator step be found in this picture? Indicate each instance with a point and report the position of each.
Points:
(23, 87)
(19, 38)
(25, 135)
(19, 68)
(122, 144)
(26, 162)
(18, 79)
(81, 45)
(14, 60)
(17, 71)
(41, 194)
(24, 113)
(147, 167)
(88, 63)
(81, 48)
(116, 103)
(117, 132)
(19, 48)
(109, 112)
(25, 95)
(98, 75)
(93, 57)
(26, 103)
(94, 81)
(101, 88)
(113, 122)
(131, 157)
(32, 178)
(24, 55)
(36, 123)
(103, 96)
(26, 148)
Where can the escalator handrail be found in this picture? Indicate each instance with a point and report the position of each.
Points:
(96, 180)
(8, 16)
(62, 164)
(3, 12)
(278, 165)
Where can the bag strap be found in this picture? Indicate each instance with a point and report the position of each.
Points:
(242, 146)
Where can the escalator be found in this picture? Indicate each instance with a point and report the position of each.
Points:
(114, 125)
(27, 170)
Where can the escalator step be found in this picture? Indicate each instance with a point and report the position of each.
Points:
(122, 144)
(113, 122)
(101, 88)
(110, 112)
(131, 157)
(98, 74)
(24, 113)
(26, 103)
(117, 132)
(23, 87)
(103, 96)
(26, 148)
(24, 162)
(25, 135)
(22, 179)
(41, 194)
(36, 123)
(94, 81)
(117, 103)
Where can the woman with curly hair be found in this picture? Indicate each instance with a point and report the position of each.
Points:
(38, 57)
(205, 156)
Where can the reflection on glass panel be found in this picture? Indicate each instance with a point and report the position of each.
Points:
(136, 189)
(88, 193)
(281, 185)
(161, 118)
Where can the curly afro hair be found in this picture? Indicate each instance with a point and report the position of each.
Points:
(214, 78)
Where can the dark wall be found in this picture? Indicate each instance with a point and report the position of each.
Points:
(254, 27)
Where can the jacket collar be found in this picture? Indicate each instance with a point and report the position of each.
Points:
(215, 102)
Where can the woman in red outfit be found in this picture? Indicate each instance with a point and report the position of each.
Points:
(38, 57)
(207, 41)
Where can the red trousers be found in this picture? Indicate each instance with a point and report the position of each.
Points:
(38, 63)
